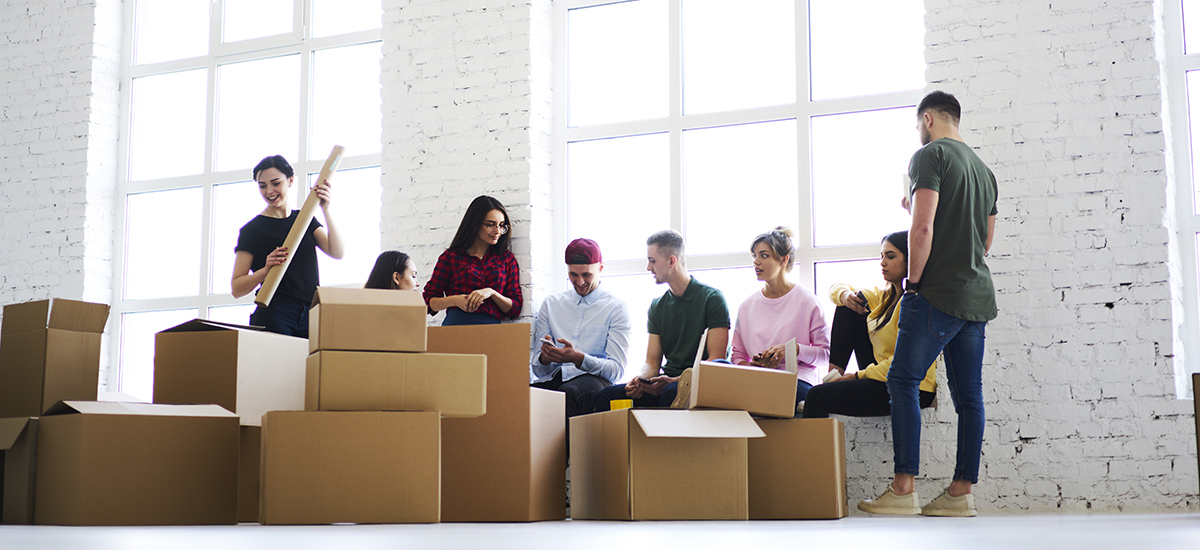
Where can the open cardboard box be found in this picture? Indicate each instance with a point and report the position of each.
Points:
(757, 390)
(136, 464)
(49, 351)
(351, 467)
(452, 384)
(249, 470)
(18, 468)
(243, 369)
(509, 464)
(798, 471)
(362, 319)
(660, 464)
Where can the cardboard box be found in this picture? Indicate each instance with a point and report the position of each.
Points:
(660, 464)
(1196, 404)
(757, 390)
(249, 464)
(18, 468)
(49, 351)
(453, 385)
(798, 471)
(136, 464)
(360, 319)
(351, 467)
(243, 369)
(509, 464)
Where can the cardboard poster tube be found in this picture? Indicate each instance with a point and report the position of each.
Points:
(275, 274)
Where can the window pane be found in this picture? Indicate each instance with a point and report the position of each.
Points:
(1193, 94)
(137, 348)
(738, 55)
(167, 125)
(162, 244)
(258, 110)
(619, 192)
(858, 162)
(246, 19)
(738, 181)
(736, 283)
(617, 54)
(1191, 26)
(357, 196)
(332, 17)
(880, 49)
(165, 30)
(233, 205)
(638, 290)
(346, 101)
(238, 315)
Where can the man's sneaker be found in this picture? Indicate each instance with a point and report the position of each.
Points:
(948, 506)
(891, 504)
(683, 392)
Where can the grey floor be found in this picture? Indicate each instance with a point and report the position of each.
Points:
(1008, 532)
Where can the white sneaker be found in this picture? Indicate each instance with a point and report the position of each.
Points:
(683, 394)
(948, 506)
(891, 504)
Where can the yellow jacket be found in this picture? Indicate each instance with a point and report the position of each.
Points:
(884, 341)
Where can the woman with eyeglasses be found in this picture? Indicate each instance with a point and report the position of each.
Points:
(394, 270)
(260, 247)
(477, 279)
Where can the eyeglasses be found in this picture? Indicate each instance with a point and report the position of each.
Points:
(492, 226)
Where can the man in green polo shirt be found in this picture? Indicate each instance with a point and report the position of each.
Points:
(676, 322)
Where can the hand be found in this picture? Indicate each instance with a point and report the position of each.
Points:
(905, 205)
(565, 354)
(277, 256)
(850, 300)
(770, 357)
(324, 193)
(633, 388)
(657, 384)
(476, 298)
(845, 378)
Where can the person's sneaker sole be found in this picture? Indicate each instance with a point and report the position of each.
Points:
(888, 511)
(891, 504)
(947, 506)
(683, 391)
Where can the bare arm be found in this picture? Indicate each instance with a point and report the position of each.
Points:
(920, 236)
(987, 246)
(718, 343)
(328, 239)
(244, 282)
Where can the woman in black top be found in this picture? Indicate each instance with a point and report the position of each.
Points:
(260, 246)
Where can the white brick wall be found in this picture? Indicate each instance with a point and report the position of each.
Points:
(60, 63)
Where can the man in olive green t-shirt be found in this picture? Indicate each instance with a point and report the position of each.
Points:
(676, 322)
(948, 300)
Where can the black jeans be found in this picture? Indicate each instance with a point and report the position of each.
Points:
(849, 334)
(579, 391)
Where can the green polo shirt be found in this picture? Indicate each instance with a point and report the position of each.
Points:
(679, 321)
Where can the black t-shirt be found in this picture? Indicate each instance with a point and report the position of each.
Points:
(262, 235)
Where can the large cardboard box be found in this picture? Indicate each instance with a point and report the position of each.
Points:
(1196, 404)
(360, 319)
(453, 385)
(243, 369)
(18, 466)
(509, 464)
(757, 390)
(49, 351)
(136, 464)
(249, 468)
(351, 467)
(660, 464)
(798, 471)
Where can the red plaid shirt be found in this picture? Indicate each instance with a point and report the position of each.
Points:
(458, 273)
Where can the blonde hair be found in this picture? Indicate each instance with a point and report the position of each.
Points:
(779, 240)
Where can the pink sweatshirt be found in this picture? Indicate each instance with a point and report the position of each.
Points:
(764, 322)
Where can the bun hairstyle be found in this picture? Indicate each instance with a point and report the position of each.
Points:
(779, 240)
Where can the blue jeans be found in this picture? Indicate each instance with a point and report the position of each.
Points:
(286, 315)
(601, 400)
(925, 332)
(455, 316)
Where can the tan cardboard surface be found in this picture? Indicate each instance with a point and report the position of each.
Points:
(600, 466)
(22, 367)
(249, 462)
(350, 467)
(18, 468)
(57, 313)
(388, 381)
(359, 319)
(240, 368)
(143, 465)
(49, 351)
(704, 424)
(766, 392)
(488, 462)
(798, 471)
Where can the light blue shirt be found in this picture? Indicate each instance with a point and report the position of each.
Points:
(596, 324)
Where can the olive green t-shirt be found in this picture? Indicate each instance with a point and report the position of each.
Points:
(956, 279)
(679, 321)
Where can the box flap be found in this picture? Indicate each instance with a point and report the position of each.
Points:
(10, 430)
(791, 356)
(738, 367)
(77, 316)
(700, 348)
(205, 325)
(699, 424)
(25, 317)
(139, 409)
(366, 296)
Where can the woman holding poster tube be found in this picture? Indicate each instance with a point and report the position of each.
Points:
(477, 280)
(259, 248)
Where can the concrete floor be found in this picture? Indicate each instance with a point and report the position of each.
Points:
(1008, 532)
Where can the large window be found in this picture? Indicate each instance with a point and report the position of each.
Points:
(723, 119)
(210, 88)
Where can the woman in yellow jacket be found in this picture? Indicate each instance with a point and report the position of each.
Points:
(865, 322)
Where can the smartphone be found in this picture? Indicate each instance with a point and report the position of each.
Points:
(644, 380)
(546, 339)
(863, 297)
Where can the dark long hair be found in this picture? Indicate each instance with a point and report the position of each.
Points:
(392, 261)
(891, 297)
(473, 219)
